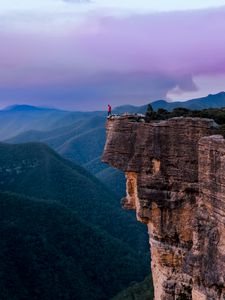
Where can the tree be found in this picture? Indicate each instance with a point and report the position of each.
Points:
(150, 114)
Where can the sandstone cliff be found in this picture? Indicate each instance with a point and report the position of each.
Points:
(175, 173)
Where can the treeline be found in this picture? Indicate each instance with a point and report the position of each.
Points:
(217, 114)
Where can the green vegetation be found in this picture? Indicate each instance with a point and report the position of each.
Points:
(114, 179)
(138, 291)
(150, 114)
(82, 142)
(48, 252)
(73, 240)
(33, 169)
(217, 114)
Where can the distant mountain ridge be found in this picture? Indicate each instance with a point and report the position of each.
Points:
(210, 101)
(25, 107)
(20, 118)
(80, 137)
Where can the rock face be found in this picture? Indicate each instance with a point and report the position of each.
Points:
(175, 172)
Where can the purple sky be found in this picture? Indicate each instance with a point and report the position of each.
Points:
(86, 58)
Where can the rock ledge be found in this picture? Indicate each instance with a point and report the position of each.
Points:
(175, 172)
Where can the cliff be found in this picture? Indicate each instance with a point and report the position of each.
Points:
(176, 183)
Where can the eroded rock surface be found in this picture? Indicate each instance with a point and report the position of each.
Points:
(175, 172)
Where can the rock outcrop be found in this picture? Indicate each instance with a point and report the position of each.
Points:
(175, 173)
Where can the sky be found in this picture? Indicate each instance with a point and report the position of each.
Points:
(84, 54)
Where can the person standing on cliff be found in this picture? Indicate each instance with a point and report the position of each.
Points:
(109, 110)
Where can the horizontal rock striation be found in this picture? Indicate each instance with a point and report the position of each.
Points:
(175, 171)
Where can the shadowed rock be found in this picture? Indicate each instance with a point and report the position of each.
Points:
(176, 183)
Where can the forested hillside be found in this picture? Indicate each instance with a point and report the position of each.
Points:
(48, 252)
(33, 169)
(83, 143)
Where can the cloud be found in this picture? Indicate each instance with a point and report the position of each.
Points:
(125, 59)
(93, 91)
(175, 43)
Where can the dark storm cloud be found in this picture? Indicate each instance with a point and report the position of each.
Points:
(95, 91)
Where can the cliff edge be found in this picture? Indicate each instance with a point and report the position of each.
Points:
(175, 172)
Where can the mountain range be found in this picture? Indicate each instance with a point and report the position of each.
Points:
(80, 136)
(19, 118)
(63, 233)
